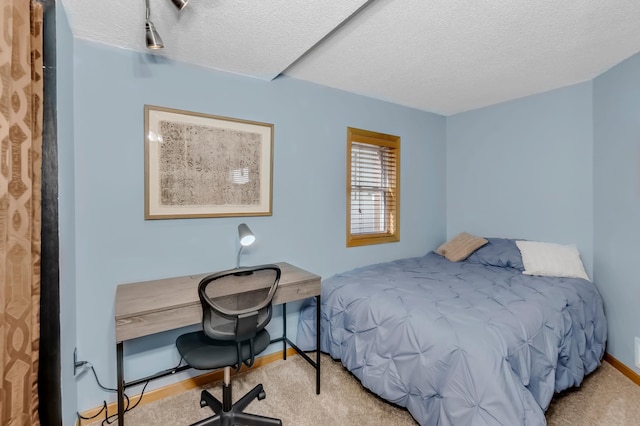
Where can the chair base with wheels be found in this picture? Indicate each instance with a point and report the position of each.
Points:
(235, 413)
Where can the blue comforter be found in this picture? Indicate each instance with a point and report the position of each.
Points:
(460, 343)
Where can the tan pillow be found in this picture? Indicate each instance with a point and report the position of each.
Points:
(461, 246)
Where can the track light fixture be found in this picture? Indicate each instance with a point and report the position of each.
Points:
(153, 38)
(180, 4)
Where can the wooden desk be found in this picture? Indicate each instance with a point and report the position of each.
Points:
(150, 307)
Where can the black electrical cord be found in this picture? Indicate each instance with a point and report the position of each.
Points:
(80, 417)
(109, 419)
(98, 380)
(112, 418)
(104, 408)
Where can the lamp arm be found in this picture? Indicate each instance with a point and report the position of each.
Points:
(238, 260)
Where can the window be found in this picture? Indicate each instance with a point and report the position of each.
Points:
(373, 188)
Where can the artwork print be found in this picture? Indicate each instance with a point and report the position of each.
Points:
(205, 166)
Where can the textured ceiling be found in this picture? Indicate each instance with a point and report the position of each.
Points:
(444, 56)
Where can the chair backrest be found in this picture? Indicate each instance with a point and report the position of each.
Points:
(236, 304)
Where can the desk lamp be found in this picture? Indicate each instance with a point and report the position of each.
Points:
(246, 239)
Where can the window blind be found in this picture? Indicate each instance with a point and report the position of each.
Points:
(373, 188)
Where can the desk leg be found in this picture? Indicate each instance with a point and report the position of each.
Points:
(120, 379)
(318, 345)
(284, 331)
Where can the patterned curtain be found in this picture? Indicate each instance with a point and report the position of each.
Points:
(20, 184)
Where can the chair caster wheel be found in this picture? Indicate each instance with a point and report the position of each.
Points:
(262, 395)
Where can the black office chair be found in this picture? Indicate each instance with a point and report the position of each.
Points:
(236, 306)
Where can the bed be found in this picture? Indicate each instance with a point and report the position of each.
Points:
(471, 342)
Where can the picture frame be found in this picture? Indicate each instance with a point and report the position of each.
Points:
(200, 165)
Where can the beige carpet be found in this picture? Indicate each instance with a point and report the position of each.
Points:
(606, 397)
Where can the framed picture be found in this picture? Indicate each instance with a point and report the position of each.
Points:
(200, 165)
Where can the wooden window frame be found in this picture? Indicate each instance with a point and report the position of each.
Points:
(379, 140)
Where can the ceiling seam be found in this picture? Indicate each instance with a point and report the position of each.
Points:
(325, 37)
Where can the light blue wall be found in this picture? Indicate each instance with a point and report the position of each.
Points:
(524, 169)
(617, 203)
(66, 206)
(114, 244)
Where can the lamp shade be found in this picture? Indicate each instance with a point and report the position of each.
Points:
(245, 235)
(180, 4)
(153, 38)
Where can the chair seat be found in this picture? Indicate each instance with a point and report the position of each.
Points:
(203, 353)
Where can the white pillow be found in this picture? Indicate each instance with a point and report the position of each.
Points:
(551, 260)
